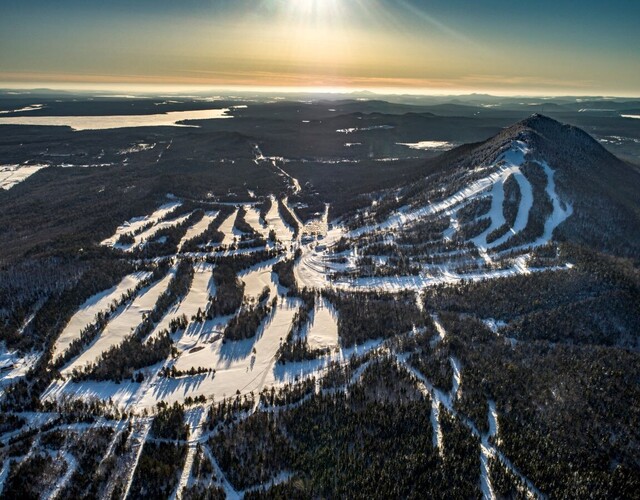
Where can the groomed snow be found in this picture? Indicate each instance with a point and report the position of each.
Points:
(259, 277)
(322, 331)
(92, 306)
(253, 219)
(198, 228)
(196, 298)
(227, 228)
(122, 324)
(138, 222)
(283, 232)
(148, 234)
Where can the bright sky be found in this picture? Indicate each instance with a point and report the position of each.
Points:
(436, 46)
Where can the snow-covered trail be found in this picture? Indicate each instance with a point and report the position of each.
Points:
(509, 162)
(283, 232)
(195, 419)
(140, 437)
(285, 202)
(91, 307)
(227, 228)
(196, 298)
(497, 209)
(122, 324)
(322, 328)
(198, 228)
(418, 283)
(229, 491)
(486, 453)
(253, 219)
(560, 213)
(72, 465)
(138, 222)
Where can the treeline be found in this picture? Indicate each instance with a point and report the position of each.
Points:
(373, 315)
(210, 235)
(229, 292)
(169, 422)
(158, 471)
(557, 451)
(242, 225)
(284, 270)
(92, 331)
(296, 348)
(288, 218)
(165, 241)
(264, 208)
(49, 322)
(227, 410)
(540, 211)
(288, 394)
(593, 303)
(245, 324)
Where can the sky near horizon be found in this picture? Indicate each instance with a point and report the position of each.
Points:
(442, 46)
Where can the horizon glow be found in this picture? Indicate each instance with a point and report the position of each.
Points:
(430, 47)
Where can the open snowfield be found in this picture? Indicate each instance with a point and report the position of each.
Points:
(259, 277)
(122, 324)
(10, 175)
(322, 331)
(92, 306)
(148, 234)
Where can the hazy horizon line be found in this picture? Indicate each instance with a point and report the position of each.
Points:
(153, 88)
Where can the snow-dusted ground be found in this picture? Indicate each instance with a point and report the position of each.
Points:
(198, 228)
(138, 222)
(31, 107)
(561, 211)
(92, 306)
(10, 175)
(14, 366)
(171, 118)
(122, 324)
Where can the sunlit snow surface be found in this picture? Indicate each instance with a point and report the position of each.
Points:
(170, 119)
(427, 145)
(251, 365)
(10, 175)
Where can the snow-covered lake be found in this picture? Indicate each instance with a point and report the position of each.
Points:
(170, 119)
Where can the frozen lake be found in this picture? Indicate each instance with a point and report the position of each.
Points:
(170, 119)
